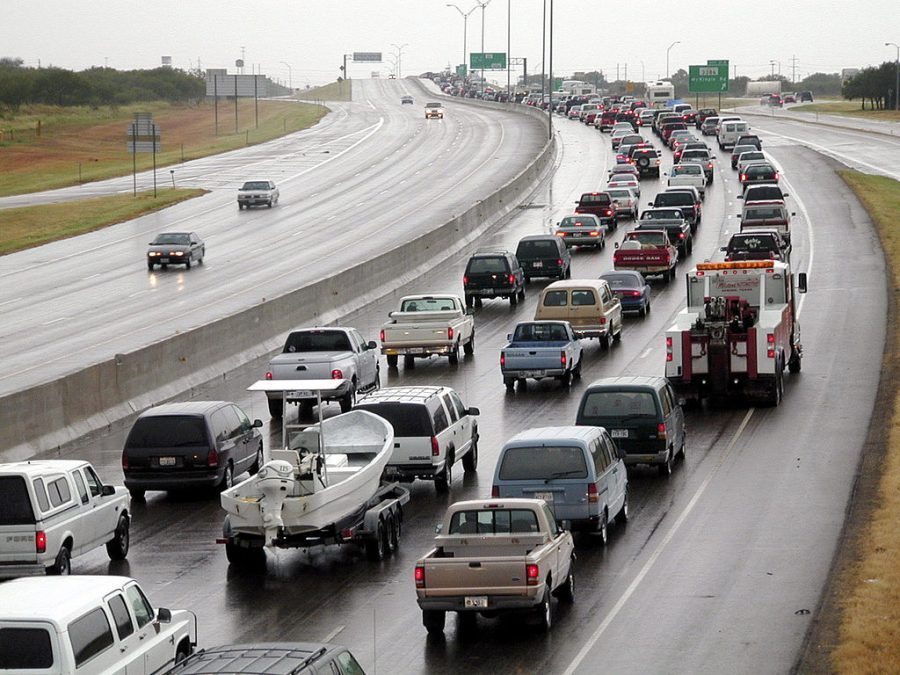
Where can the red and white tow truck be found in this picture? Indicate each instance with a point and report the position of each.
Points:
(738, 332)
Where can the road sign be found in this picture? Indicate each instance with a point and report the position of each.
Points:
(487, 61)
(707, 79)
(721, 62)
(461, 70)
(367, 56)
(629, 87)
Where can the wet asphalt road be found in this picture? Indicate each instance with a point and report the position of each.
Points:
(717, 563)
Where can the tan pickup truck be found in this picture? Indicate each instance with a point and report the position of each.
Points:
(492, 556)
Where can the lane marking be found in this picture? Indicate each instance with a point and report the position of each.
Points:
(6, 302)
(57, 320)
(333, 634)
(657, 551)
(646, 353)
(93, 276)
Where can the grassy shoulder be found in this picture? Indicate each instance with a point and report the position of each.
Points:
(335, 91)
(46, 147)
(869, 589)
(29, 226)
(849, 109)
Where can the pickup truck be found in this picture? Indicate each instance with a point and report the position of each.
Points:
(757, 244)
(256, 193)
(426, 325)
(688, 174)
(601, 205)
(324, 354)
(434, 110)
(681, 198)
(492, 556)
(540, 349)
(768, 215)
(648, 252)
(53, 510)
(675, 225)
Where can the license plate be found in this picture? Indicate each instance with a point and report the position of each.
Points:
(488, 291)
(300, 393)
(167, 461)
(477, 601)
(546, 496)
(163, 260)
(534, 373)
(538, 263)
(619, 433)
(416, 350)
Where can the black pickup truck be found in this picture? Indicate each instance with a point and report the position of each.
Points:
(686, 199)
(675, 225)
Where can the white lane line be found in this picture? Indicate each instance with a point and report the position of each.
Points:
(844, 158)
(93, 276)
(589, 645)
(297, 233)
(331, 217)
(6, 302)
(134, 295)
(333, 634)
(646, 353)
(57, 320)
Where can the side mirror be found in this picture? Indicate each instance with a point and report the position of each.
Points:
(164, 615)
(793, 213)
(438, 528)
(742, 196)
(371, 345)
(738, 216)
(649, 203)
(724, 248)
(472, 410)
(257, 424)
(565, 525)
(616, 245)
(509, 337)
(621, 454)
(682, 402)
(470, 311)
(107, 490)
(801, 282)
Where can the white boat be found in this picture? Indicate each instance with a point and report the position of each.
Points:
(326, 475)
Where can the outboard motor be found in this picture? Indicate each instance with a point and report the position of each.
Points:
(275, 480)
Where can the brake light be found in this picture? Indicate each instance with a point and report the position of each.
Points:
(602, 320)
(124, 462)
(337, 374)
(609, 212)
(512, 279)
(776, 175)
(633, 294)
(212, 458)
(743, 176)
(593, 233)
(269, 375)
(681, 235)
(435, 448)
(562, 358)
(450, 332)
(502, 359)
(531, 574)
(661, 429)
(465, 281)
(709, 166)
(381, 335)
(770, 341)
(495, 491)
(40, 541)
(420, 576)
(559, 262)
(668, 349)
(592, 494)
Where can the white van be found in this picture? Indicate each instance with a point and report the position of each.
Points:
(89, 625)
(729, 131)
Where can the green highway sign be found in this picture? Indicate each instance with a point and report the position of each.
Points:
(487, 61)
(461, 70)
(707, 79)
(718, 63)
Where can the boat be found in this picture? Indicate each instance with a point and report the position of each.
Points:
(325, 475)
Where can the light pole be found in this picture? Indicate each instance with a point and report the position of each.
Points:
(482, 5)
(508, 50)
(677, 42)
(897, 84)
(399, 49)
(465, 16)
(290, 76)
(772, 63)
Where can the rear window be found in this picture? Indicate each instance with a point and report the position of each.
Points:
(493, 521)
(582, 298)
(537, 248)
(686, 170)
(168, 431)
(602, 405)
(595, 199)
(15, 505)
(673, 199)
(25, 649)
(542, 463)
(759, 171)
(318, 341)
(617, 281)
(540, 332)
(556, 298)
(428, 305)
(90, 635)
(585, 221)
(763, 214)
(487, 265)
(408, 419)
(753, 243)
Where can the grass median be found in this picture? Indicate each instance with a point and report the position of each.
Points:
(848, 109)
(335, 91)
(869, 587)
(29, 226)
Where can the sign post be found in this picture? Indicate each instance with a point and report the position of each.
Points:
(142, 135)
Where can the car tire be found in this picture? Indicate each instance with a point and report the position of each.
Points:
(622, 515)
(348, 399)
(565, 380)
(576, 371)
(544, 611)
(150, 267)
(187, 263)
(605, 342)
(275, 408)
(375, 547)
(665, 469)
(522, 293)
(617, 336)
(117, 547)
(603, 527)
(522, 383)
(257, 462)
(443, 480)
(409, 362)
(509, 383)
(227, 478)
(527, 279)
(137, 495)
(469, 347)
(470, 460)
(269, 203)
(392, 360)
(513, 299)
(566, 592)
(62, 566)
(478, 301)
(469, 301)
(453, 356)
(433, 620)
(794, 363)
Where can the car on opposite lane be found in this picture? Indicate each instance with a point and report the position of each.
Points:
(176, 248)
(257, 193)
(407, 100)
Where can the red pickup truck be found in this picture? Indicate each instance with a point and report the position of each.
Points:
(648, 252)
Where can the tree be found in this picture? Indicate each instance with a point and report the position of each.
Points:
(11, 62)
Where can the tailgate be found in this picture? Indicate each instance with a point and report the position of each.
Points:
(474, 576)
(17, 544)
(534, 357)
(488, 280)
(650, 257)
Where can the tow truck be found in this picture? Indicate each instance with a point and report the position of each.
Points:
(738, 332)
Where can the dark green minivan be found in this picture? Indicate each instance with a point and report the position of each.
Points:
(641, 414)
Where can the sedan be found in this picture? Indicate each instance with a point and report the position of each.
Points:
(582, 229)
(407, 100)
(737, 151)
(632, 290)
(624, 181)
(751, 157)
(759, 174)
(176, 248)
(625, 201)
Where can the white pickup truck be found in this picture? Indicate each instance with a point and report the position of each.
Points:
(426, 325)
(324, 354)
(434, 110)
(54, 509)
(492, 556)
(689, 174)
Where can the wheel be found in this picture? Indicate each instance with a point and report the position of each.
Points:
(187, 264)
(136, 494)
(202, 256)
(63, 563)
(454, 355)
(182, 653)
(433, 620)
(469, 347)
(605, 341)
(514, 299)
(527, 279)
(392, 360)
(269, 203)
(522, 293)
(348, 399)
(565, 380)
(647, 310)
(544, 611)
(509, 383)
(622, 515)
(576, 372)
(442, 481)
(227, 478)
(394, 538)
(150, 266)
(777, 393)
(478, 301)
(794, 363)
(377, 383)
(469, 301)
(243, 556)
(523, 383)
(643, 310)
(665, 469)
(375, 545)
(566, 592)
(409, 362)
(254, 468)
(470, 460)
(240, 207)
(603, 527)
(117, 547)
(617, 336)
(275, 408)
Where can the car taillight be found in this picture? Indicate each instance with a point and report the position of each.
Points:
(381, 335)
(709, 166)
(602, 320)
(502, 359)
(609, 212)
(337, 374)
(435, 447)
(681, 235)
(594, 233)
(559, 262)
(124, 462)
(40, 542)
(465, 281)
(770, 341)
(743, 176)
(593, 495)
(776, 175)
(633, 294)
(212, 458)
(562, 358)
(269, 375)
(450, 332)
(668, 349)
(661, 430)
(495, 491)
(531, 574)
(512, 279)
(420, 576)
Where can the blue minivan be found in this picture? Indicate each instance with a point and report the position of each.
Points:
(578, 471)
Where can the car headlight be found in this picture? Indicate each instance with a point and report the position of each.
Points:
(152, 254)
(177, 252)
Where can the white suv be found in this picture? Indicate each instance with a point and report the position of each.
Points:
(432, 430)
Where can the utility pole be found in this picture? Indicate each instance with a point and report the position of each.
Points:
(243, 51)
(793, 68)
(550, 85)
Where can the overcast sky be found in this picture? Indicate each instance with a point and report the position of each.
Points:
(312, 35)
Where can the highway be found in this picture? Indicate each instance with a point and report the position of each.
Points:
(720, 567)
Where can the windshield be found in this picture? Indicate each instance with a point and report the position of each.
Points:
(172, 239)
(595, 199)
(537, 248)
(432, 105)
(542, 463)
(318, 341)
(255, 185)
(662, 214)
(604, 405)
(569, 221)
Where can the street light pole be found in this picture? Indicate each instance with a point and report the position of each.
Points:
(508, 50)
(399, 49)
(897, 83)
(465, 16)
(677, 42)
(550, 81)
(482, 5)
(290, 76)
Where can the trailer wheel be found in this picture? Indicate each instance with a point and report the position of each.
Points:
(375, 545)
(394, 538)
(433, 620)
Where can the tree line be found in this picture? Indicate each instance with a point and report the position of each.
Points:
(94, 86)
(876, 84)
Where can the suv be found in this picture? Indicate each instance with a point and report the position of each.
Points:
(191, 444)
(601, 205)
(754, 174)
(762, 193)
(493, 274)
(757, 245)
(685, 198)
(647, 161)
(749, 139)
(275, 658)
(642, 415)
(607, 119)
(702, 114)
(544, 255)
(53, 509)
(257, 192)
(432, 429)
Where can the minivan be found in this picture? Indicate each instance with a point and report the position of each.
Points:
(587, 304)
(730, 131)
(188, 445)
(642, 415)
(544, 255)
(578, 471)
